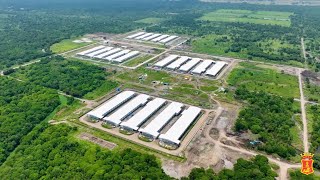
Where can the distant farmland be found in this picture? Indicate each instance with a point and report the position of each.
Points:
(246, 16)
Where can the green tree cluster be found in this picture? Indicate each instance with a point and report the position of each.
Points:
(270, 116)
(256, 168)
(55, 154)
(72, 77)
(22, 107)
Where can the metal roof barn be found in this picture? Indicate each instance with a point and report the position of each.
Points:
(151, 37)
(155, 126)
(189, 65)
(91, 55)
(175, 133)
(113, 51)
(116, 55)
(160, 38)
(100, 56)
(111, 105)
(90, 50)
(135, 35)
(202, 67)
(139, 118)
(125, 110)
(168, 39)
(127, 56)
(166, 61)
(176, 64)
(215, 69)
(143, 36)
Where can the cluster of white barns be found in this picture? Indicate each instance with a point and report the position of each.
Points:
(131, 111)
(111, 54)
(153, 37)
(185, 64)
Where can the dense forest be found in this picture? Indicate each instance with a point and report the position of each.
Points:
(72, 77)
(54, 154)
(22, 107)
(269, 116)
(257, 168)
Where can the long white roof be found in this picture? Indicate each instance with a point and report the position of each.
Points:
(178, 62)
(118, 54)
(166, 61)
(127, 56)
(112, 104)
(216, 68)
(181, 125)
(202, 67)
(136, 121)
(113, 51)
(143, 36)
(100, 56)
(135, 35)
(90, 50)
(98, 52)
(189, 65)
(126, 109)
(168, 39)
(162, 119)
(151, 37)
(160, 38)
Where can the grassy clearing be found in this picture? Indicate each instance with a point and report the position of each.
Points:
(257, 78)
(67, 111)
(138, 60)
(151, 20)
(246, 16)
(211, 45)
(105, 88)
(67, 45)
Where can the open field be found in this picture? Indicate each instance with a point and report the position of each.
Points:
(256, 78)
(67, 45)
(246, 16)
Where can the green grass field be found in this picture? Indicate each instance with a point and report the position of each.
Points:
(210, 45)
(67, 45)
(102, 90)
(138, 60)
(257, 78)
(246, 16)
(151, 20)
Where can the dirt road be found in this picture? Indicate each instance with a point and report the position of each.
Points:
(303, 115)
(284, 166)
